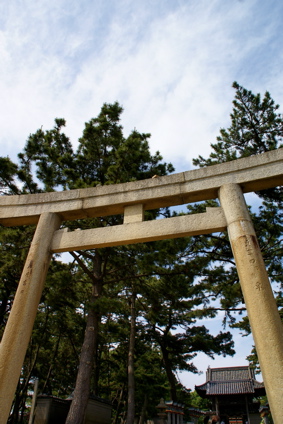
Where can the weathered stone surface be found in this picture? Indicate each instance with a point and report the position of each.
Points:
(262, 310)
(253, 173)
(21, 320)
(133, 213)
(137, 232)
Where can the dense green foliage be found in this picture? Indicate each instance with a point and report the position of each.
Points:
(256, 127)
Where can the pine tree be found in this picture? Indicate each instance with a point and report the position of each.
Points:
(174, 300)
(104, 156)
(256, 127)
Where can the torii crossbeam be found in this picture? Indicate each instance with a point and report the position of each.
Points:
(227, 181)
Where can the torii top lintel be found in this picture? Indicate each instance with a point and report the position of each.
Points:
(253, 173)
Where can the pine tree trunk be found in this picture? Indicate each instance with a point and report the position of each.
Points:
(170, 375)
(144, 409)
(119, 404)
(51, 365)
(131, 377)
(79, 403)
(82, 389)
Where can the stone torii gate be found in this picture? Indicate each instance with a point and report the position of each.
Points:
(227, 181)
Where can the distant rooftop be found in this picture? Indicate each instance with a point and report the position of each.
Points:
(230, 381)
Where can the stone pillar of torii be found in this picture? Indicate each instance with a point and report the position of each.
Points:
(227, 182)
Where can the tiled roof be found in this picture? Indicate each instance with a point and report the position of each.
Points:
(229, 381)
(230, 387)
(231, 373)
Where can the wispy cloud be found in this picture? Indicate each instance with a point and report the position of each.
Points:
(170, 64)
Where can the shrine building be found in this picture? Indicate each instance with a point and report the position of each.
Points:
(234, 393)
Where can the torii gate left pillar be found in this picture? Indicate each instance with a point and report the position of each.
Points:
(18, 330)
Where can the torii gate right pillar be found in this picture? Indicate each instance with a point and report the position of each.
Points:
(262, 310)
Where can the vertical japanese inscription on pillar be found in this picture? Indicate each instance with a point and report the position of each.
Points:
(251, 245)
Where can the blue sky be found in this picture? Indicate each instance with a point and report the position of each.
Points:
(169, 63)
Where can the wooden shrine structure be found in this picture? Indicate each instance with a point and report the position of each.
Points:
(233, 392)
(53, 410)
(227, 182)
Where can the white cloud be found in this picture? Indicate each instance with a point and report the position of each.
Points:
(170, 66)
